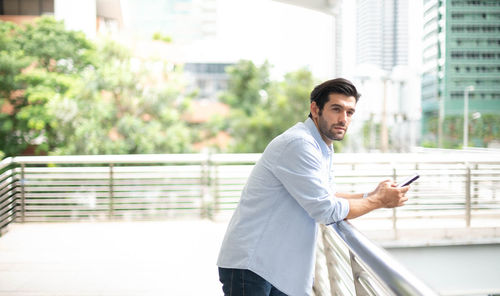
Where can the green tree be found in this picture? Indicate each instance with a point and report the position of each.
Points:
(55, 48)
(37, 62)
(63, 94)
(247, 84)
(12, 61)
(482, 131)
(262, 109)
(116, 112)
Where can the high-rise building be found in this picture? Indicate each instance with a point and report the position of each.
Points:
(387, 74)
(382, 37)
(461, 55)
(183, 20)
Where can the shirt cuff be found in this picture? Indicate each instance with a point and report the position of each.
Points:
(341, 210)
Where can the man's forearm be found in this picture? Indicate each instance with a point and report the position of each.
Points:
(349, 195)
(359, 207)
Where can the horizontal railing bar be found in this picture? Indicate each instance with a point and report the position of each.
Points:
(6, 200)
(9, 174)
(103, 200)
(116, 159)
(5, 221)
(388, 158)
(119, 169)
(121, 182)
(5, 163)
(117, 212)
(104, 216)
(7, 212)
(390, 272)
(103, 207)
(118, 188)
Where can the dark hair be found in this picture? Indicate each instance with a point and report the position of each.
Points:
(334, 86)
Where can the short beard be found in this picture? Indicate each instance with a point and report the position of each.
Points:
(326, 130)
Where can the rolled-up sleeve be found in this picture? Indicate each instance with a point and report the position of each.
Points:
(299, 170)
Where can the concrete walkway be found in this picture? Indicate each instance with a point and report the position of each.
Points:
(164, 257)
(111, 258)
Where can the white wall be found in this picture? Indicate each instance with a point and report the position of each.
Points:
(78, 15)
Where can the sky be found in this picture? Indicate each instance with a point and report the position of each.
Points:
(289, 37)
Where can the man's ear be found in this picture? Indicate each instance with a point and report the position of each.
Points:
(314, 109)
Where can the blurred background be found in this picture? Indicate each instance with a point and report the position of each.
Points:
(158, 76)
(143, 118)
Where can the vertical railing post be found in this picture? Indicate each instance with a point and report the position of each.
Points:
(215, 188)
(23, 197)
(204, 183)
(467, 195)
(415, 189)
(356, 271)
(111, 191)
(321, 285)
(394, 212)
(353, 185)
(330, 263)
(475, 186)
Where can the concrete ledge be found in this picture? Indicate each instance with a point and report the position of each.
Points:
(410, 237)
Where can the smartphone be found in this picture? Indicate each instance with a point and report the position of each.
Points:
(409, 180)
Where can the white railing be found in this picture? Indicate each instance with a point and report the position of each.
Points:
(65, 188)
(59, 188)
(357, 266)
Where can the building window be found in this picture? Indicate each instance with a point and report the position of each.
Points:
(457, 16)
(26, 7)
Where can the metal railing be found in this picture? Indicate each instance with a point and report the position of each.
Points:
(9, 187)
(104, 187)
(66, 188)
(356, 266)
(462, 186)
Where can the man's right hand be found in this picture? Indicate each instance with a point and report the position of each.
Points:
(386, 195)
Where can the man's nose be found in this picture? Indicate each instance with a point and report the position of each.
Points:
(343, 117)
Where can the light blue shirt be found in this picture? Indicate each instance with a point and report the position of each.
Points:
(273, 230)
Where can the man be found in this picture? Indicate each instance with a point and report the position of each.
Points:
(269, 245)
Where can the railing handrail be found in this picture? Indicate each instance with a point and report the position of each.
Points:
(395, 276)
(347, 158)
(5, 163)
(134, 158)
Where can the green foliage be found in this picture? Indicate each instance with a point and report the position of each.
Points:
(117, 115)
(38, 62)
(63, 94)
(160, 37)
(263, 109)
(482, 131)
(247, 84)
(371, 134)
(54, 47)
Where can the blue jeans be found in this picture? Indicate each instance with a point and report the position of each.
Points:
(243, 282)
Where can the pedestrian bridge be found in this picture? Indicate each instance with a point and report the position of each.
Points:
(152, 224)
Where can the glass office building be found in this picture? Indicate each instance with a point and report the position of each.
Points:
(382, 33)
(461, 50)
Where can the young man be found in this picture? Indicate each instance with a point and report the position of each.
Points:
(269, 245)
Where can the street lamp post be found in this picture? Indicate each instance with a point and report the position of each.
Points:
(466, 115)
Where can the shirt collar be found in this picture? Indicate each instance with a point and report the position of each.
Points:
(327, 150)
